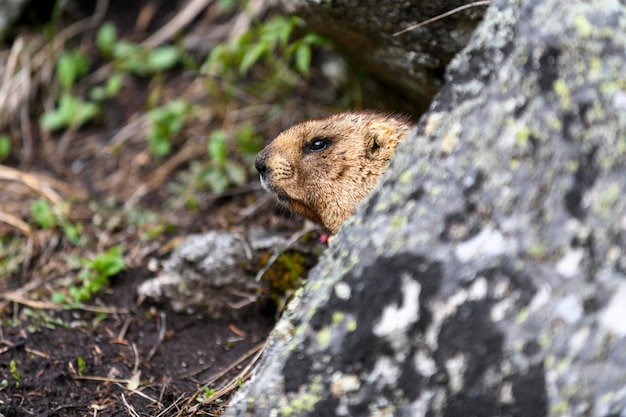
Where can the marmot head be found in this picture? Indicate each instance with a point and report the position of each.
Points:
(323, 168)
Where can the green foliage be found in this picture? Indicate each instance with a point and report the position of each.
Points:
(274, 43)
(127, 57)
(106, 38)
(12, 250)
(206, 394)
(222, 171)
(165, 123)
(71, 111)
(39, 319)
(111, 88)
(94, 276)
(71, 66)
(5, 147)
(134, 58)
(48, 217)
(15, 372)
(43, 215)
(80, 361)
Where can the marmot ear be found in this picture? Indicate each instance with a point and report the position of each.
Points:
(380, 140)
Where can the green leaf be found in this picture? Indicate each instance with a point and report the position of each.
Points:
(278, 30)
(71, 110)
(80, 361)
(52, 121)
(43, 215)
(165, 123)
(159, 146)
(58, 297)
(98, 93)
(105, 39)
(252, 55)
(86, 112)
(315, 39)
(5, 146)
(70, 67)
(163, 58)
(114, 85)
(303, 59)
(72, 232)
(109, 263)
(216, 146)
(226, 5)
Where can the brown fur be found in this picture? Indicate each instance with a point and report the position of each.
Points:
(326, 185)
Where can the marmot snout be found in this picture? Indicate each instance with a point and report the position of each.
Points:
(323, 168)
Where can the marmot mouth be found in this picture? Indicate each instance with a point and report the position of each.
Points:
(281, 196)
(265, 184)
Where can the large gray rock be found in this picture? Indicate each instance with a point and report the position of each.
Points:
(486, 274)
(413, 62)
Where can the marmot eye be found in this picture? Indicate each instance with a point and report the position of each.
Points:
(317, 144)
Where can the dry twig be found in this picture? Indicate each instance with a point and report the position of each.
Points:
(444, 15)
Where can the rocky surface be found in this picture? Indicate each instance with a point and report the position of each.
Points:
(365, 32)
(486, 274)
(217, 273)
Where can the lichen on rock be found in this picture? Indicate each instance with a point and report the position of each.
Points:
(486, 273)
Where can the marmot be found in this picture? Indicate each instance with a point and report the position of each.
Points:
(323, 168)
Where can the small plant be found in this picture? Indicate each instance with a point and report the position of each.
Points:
(80, 362)
(269, 41)
(221, 172)
(134, 58)
(48, 217)
(286, 56)
(111, 88)
(206, 394)
(15, 373)
(165, 123)
(5, 147)
(71, 111)
(94, 276)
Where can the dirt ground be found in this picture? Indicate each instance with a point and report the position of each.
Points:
(143, 361)
(111, 354)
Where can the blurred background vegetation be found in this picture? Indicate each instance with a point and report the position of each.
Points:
(126, 124)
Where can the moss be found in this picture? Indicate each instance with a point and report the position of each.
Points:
(285, 275)
(537, 250)
(323, 337)
(406, 177)
(304, 401)
(560, 408)
(522, 137)
(337, 317)
(399, 221)
(351, 325)
(584, 27)
(523, 315)
(606, 200)
(561, 88)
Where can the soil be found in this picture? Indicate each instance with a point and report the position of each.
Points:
(171, 356)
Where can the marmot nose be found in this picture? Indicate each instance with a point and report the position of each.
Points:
(259, 162)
